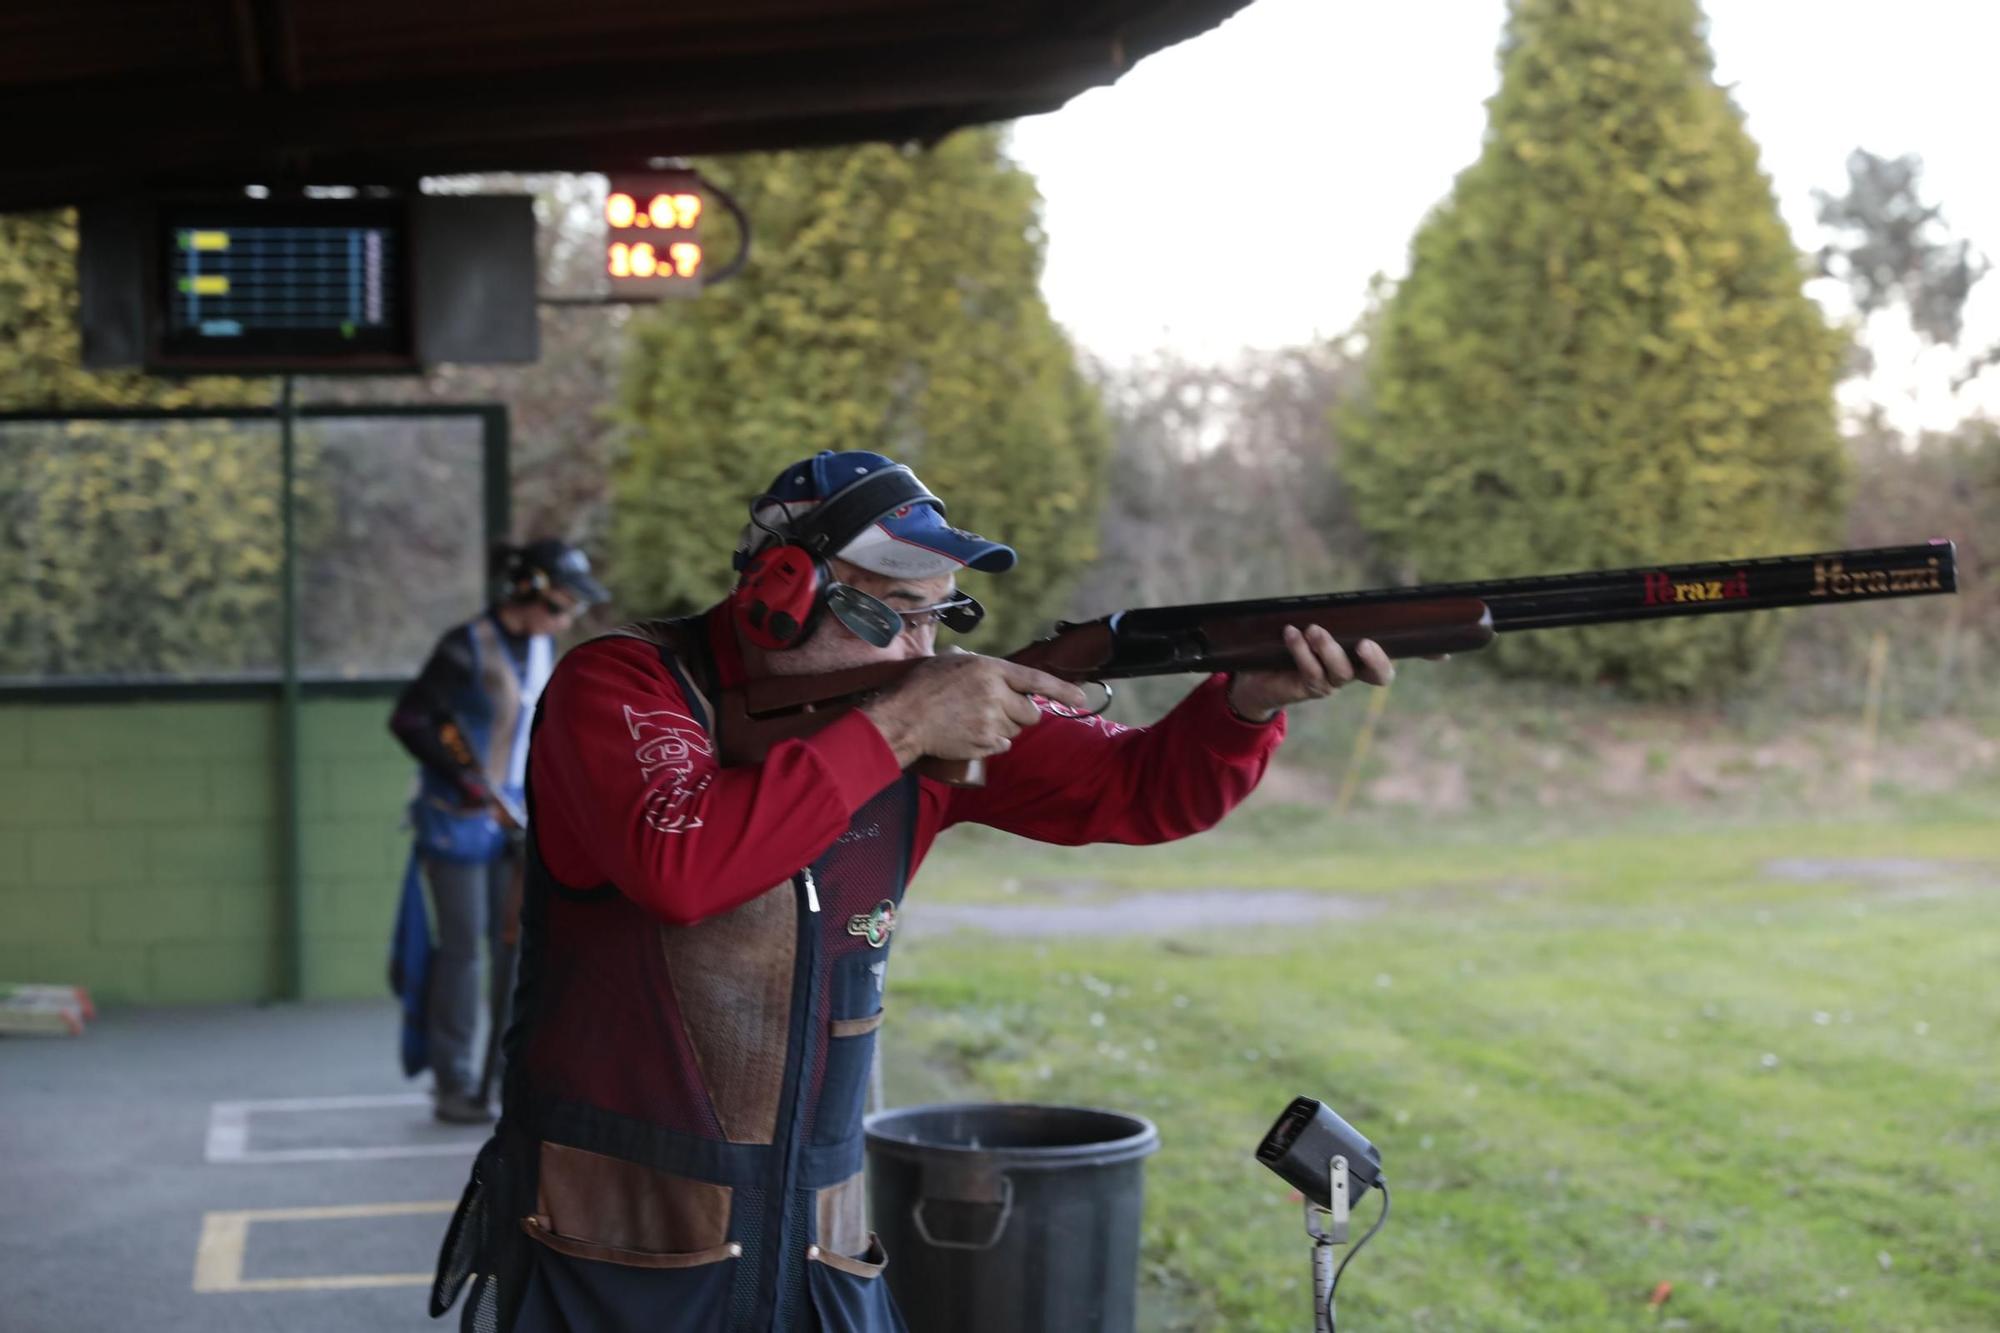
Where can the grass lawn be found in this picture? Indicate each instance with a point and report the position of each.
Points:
(1749, 1059)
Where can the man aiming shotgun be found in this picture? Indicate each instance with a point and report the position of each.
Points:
(725, 812)
(704, 946)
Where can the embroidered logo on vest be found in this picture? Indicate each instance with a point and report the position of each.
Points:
(874, 926)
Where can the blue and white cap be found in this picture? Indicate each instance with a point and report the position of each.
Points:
(913, 542)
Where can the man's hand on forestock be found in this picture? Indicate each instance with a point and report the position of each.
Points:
(964, 706)
(1320, 666)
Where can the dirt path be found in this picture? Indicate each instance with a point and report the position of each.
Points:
(1081, 909)
(1893, 878)
(1181, 912)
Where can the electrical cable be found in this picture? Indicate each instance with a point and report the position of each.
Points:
(1334, 1285)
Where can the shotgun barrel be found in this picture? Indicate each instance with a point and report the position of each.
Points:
(1407, 622)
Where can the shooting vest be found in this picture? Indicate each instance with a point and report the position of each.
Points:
(680, 1146)
(493, 712)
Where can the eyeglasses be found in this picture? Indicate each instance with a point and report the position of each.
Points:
(876, 622)
(960, 614)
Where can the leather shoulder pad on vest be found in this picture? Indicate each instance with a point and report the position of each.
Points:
(682, 643)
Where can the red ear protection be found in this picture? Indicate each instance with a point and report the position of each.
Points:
(778, 597)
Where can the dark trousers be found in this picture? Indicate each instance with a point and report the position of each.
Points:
(468, 903)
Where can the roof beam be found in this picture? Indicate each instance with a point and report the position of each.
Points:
(447, 125)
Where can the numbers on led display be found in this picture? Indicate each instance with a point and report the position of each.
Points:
(674, 210)
(682, 260)
(668, 212)
(641, 207)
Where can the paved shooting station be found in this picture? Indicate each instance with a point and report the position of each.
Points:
(228, 1143)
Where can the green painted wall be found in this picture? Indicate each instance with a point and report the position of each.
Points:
(139, 847)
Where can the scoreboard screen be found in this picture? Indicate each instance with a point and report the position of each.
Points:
(298, 283)
(652, 223)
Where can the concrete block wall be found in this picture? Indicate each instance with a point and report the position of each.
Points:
(139, 847)
(356, 783)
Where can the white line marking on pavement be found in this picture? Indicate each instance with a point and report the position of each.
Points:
(229, 1131)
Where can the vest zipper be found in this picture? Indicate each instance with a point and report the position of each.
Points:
(786, 1264)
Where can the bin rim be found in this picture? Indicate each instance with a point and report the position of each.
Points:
(1142, 1142)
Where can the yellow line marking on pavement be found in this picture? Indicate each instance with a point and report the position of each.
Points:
(337, 1282)
(218, 1255)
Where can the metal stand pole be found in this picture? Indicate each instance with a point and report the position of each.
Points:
(291, 867)
(1328, 1228)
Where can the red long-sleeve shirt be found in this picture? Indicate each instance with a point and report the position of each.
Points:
(628, 790)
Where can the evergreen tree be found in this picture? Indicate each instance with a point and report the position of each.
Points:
(1603, 355)
(891, 303)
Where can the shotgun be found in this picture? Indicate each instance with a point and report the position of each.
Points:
(1407, 622)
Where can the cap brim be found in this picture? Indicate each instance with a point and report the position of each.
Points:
(585, 587)
(918, 543)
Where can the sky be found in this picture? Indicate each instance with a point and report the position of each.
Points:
(1341, 123)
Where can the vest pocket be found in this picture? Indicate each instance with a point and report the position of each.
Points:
(856, 1027)
(592, 1206)
(849, 1294)
(538, 1227)
(850, 1054)
(868, 1264)
(569, 1287)
(459, 836)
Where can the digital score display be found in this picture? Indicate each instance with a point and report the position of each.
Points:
(652, 245)
(302, 283)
